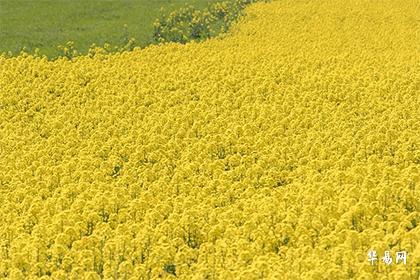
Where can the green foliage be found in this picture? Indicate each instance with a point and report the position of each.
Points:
(68, 50)
(196, 21)
(48, 23)
(192, 24)
(170, 268)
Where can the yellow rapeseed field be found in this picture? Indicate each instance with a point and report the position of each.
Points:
(288, 148)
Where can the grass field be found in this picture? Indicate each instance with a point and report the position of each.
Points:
(46, 24)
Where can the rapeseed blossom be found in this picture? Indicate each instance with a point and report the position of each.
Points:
(288, 148)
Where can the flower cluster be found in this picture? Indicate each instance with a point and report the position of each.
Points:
(288, 149)
(192, 24)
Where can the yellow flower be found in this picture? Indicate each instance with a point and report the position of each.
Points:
(284, 149)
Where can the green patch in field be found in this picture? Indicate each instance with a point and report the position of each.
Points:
(45, 24)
